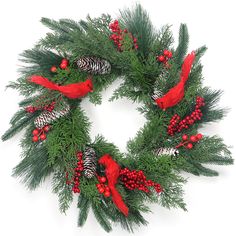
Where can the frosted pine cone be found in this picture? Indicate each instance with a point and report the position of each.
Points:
(167, 151)
(90, 162)
(47, 117)
(94, 65)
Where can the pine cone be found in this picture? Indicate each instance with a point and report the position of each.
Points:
(94, 65)
(167, 151)
(47, 117)
(156, 95)
(90, 162)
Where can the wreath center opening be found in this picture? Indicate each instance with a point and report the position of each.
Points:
(119, 117)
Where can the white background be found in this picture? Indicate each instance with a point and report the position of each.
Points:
(211, 201)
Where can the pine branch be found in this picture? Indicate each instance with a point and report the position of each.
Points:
(83, 205)
(33, 169)
(211, 150)
(28, 101)
(18, 116)
(58, 26)
(211, 111)
(39, 61)
(138, 23)
(63, 190)
(182, 48)
(199, 53)
(101, 217)
(163, 40)
(17, 126)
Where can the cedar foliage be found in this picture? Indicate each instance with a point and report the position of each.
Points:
(141, 75)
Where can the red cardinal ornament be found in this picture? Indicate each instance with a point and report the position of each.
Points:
(76, 90)
(176, 94)
(112, 171)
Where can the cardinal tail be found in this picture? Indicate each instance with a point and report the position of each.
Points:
(118, 201)
(186, 67)
(43, 82)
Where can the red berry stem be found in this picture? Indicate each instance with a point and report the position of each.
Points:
(188, 142)
(77, 174)
(102, 187)
(137, 180)
(39, 134)
(164, 58)
(182, 144)
(118, 35)
(175, 125)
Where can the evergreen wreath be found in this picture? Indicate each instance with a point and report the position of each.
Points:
(78, 59)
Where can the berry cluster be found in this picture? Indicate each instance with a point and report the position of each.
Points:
(165, 57)
(137, 180)
(50, 107)
(118, 35)
(63, 66)
(102, 187)
(77, 173)
(176, 125)
(188, 142)
(39, 134)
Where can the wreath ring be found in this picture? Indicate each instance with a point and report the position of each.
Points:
(79, 59)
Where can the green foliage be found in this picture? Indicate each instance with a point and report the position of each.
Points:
(182, 48)
(142, 74)
(33, 169)
(103, 147)
(39, 61)
(211, 150)
(211, 110)
(83, 205)
(17, 116)
(63, 190)
(101, 217)
(19, 121)
(138, 23)
(69, 135)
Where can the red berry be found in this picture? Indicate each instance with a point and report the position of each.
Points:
(161, 58)
(53, 69)
(185, 137)
(46, 128)
(193, 138)
(199, 136)
(43, 136)
(107, 188)
(98, 185)
(35, 132)
(30, 109)
(63, 66)
(103, 179)
(35, 139)
(166, 52)
(107, 193)
(101, 190)
(190, 146)
(65, 61)
(169, 54)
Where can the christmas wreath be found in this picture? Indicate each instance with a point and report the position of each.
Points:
(78, 59)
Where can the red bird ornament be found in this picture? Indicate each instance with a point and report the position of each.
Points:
(176, 94)
(112, 171)
(76, 90)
